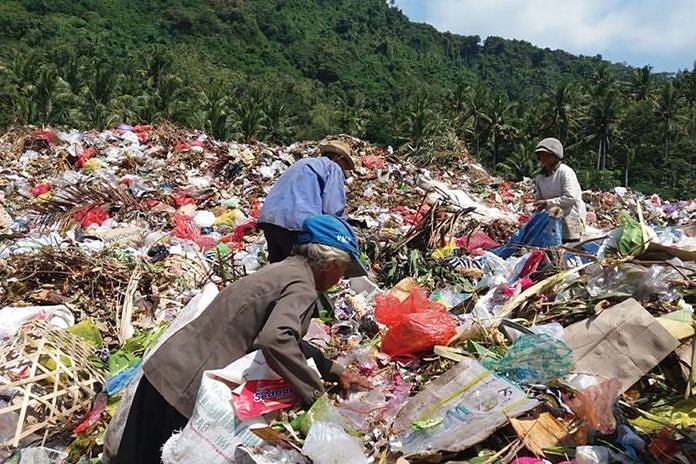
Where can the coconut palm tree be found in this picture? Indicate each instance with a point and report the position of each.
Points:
(667, 106)
(641, 85)
(560, 111)
(603, 113)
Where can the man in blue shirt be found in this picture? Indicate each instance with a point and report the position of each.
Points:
(310, 187)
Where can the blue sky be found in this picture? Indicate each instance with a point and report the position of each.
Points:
(639, 32)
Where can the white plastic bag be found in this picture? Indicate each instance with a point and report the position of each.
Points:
(12, 318)
(328, 443)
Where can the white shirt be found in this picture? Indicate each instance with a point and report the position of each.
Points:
(562, 189)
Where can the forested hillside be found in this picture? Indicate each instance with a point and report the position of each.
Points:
(281, 70)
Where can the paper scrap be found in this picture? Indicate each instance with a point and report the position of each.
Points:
(542, 432)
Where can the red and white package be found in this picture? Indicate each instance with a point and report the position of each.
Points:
(258, 397)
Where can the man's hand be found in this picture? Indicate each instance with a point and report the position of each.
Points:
(539, 205)
(350, 380)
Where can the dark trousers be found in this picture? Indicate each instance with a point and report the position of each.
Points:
(280, 241)
(151, 421)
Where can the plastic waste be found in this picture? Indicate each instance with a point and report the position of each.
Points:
(258, 397)
(85, 156)
(363, 408)
(533, 358)
(389, 310)
(630, 441)
(445, 251)
(40, 455)
(416, 324)
(157, 253)
(599, 455)
(185, 228)
(12, 318)
(40, 189)
(638, 281)
(476, 241)
(680, 414)
(449, 297)
(373, 162)
(595, 405)
(470, 401)
(93, 415)
(204, 219)
(92, 215)
(328, 443)
(553, 330)
(268, 454)
(121, 380)
(323, 410)
(542, 231)
(634, 238)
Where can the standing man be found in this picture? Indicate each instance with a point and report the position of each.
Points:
(557, 186)
(310, 187)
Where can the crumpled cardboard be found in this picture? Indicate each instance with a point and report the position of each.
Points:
(623, 342)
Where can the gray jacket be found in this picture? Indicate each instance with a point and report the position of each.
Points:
(562, 189)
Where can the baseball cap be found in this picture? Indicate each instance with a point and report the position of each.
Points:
(331, 231)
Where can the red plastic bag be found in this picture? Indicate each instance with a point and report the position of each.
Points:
(85, 156)
(94, 415)
(46, 135)
(91, 215)
(475, 241)
(663, 447)
(373, 162)
(239, 232)
(181, 199)
(419, 332)
(40, 189)
(390, 311)
(415, 324)
(255, 208)
(187, 146)
(186, 228)
(532, 263)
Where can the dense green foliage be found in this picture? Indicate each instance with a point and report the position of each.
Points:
(280, 70)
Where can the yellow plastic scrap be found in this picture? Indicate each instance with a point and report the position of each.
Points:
(93, 165)
(445, 251)
(681, 414)
(231, 218)
(44, 197)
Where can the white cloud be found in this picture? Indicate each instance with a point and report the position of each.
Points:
(656, 32)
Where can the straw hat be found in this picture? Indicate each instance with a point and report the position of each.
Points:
(340, 149)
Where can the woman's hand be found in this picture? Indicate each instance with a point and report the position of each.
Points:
(349, 380)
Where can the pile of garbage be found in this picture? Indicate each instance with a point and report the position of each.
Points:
(487, 340)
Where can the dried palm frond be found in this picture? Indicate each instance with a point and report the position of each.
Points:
(58, 210)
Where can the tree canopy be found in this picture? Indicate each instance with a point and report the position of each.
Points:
(279, 70)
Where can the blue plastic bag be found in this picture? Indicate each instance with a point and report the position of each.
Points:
(121, 380)
(542, 231)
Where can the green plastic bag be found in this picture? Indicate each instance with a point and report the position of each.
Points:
(322, 410)
(634, 238)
